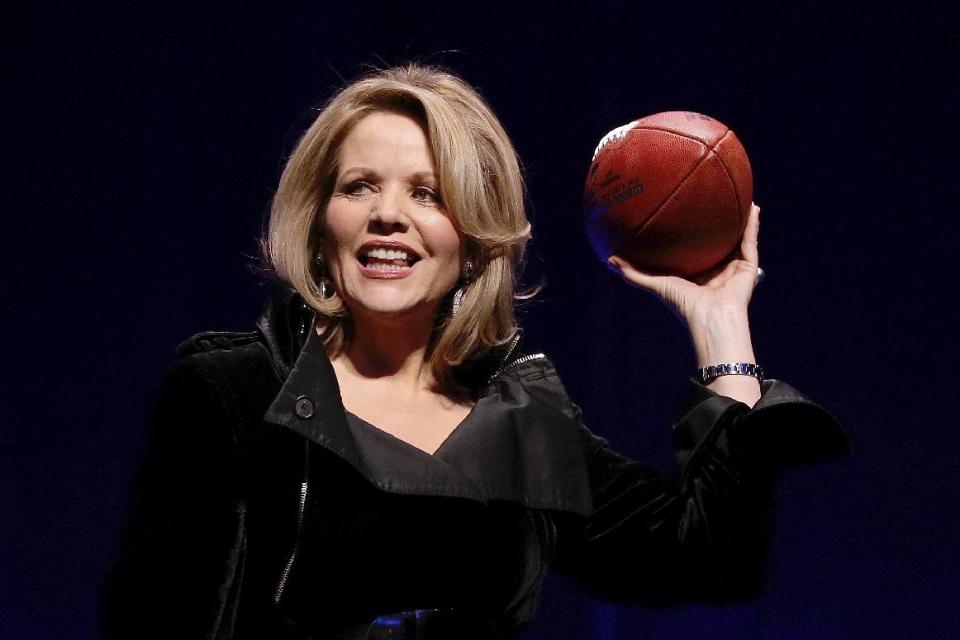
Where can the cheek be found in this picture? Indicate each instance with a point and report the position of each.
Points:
(338, 237)
(444, 238)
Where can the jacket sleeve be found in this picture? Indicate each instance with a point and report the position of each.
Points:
(182, 557)
(702, 535)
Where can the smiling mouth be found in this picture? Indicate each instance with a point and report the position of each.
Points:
(386, 257)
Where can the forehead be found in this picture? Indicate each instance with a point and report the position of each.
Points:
(387, 138)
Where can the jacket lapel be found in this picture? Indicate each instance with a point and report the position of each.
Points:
(521, 450)
(309, 402)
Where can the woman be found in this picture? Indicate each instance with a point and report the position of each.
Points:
(381, 459)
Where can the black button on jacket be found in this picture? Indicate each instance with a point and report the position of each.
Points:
(265, 513)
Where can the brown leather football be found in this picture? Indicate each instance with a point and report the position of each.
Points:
(670, 193)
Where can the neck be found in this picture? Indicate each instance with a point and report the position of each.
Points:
(394, 347)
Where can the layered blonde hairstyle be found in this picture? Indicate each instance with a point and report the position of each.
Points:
(481, 186)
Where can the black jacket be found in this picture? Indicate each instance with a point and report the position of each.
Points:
(263, 515)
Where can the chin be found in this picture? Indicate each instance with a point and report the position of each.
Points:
(386, 305)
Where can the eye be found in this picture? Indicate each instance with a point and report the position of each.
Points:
(358, 188)
(426, 195)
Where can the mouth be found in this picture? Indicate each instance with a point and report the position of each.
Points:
(387, 257)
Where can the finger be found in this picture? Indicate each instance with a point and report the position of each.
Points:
(749, 244)
(631, 275)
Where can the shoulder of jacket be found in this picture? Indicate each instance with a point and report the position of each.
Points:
(537, 374)
(527, 366)
(228, 356)
(233, 370)
(208, 341)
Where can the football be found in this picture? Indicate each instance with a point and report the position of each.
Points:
(670, 193)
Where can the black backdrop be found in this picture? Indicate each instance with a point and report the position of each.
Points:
(152, 137)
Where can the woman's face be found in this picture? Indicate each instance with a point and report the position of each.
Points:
(391, 249)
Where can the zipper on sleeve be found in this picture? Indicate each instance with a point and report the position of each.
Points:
(506, 364)
(522, 360)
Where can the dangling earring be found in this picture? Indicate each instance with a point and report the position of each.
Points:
(457, 301)
(326, 287)
(458, 295)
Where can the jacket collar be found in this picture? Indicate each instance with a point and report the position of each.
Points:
(284, 325)
(513, 447)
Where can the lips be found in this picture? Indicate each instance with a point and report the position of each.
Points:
(386, 259)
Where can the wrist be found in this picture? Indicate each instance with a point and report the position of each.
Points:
(722, 335)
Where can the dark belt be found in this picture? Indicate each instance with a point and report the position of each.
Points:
(424, 624)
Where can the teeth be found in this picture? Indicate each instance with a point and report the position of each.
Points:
(384, 266)
(387, 254)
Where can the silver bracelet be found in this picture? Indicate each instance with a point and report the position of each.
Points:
(731, 369)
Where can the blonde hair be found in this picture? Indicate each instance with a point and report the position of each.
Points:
(481, 186)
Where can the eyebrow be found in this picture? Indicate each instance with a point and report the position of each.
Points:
(361, 170)
(419, 175)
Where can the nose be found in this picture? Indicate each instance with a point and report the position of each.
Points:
(388, 212)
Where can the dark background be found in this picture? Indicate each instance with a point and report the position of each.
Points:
(149, 138)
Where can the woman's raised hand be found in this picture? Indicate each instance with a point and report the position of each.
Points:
(728, 287)
(714, 307)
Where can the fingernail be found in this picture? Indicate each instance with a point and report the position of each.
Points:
(613, 263)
